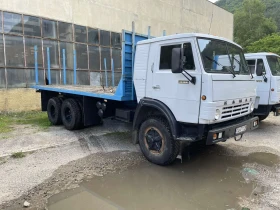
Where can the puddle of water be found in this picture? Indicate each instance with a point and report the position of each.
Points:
(207, 181)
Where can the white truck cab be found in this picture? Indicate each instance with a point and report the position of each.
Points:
(197, 85)
(266, 69)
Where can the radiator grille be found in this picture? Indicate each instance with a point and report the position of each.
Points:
(235, 110)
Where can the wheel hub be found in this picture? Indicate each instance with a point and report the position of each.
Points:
(154, 140)
(52, 112)
(68, 114)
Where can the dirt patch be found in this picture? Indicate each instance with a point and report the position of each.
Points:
(70, 175)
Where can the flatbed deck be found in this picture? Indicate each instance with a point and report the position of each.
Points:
(83, 90)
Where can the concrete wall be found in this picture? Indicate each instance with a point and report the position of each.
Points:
(174, 16)
(19, 99)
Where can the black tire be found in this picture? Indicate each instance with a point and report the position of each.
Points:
(161, 152)
(54, 111)
(71, 114)
(263, 117)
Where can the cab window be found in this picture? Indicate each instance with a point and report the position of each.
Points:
(166, 56)
(252, 65)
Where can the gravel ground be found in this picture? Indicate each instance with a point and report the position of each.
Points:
(59, 159)
(264, 139)
(52, 149)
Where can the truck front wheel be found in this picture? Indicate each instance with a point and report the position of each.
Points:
(54, 111)
(263, 117)
(156, 142)
(71, 114)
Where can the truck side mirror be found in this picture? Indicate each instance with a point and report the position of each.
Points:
(177, 62)
(260, 70)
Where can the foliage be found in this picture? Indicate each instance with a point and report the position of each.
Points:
(272, 8)
(251, 24)
(230, 5)
(269, 43)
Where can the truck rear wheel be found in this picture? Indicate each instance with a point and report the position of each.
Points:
(71, 114)
(54, 111)
(156, 142)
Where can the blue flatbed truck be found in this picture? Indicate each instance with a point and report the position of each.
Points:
(95, 102)
(169, 89)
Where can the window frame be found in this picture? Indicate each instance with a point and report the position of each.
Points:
(182, 46)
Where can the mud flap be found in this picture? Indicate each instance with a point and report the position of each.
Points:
(277, 111)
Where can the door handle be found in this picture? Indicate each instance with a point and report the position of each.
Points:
(156, 87)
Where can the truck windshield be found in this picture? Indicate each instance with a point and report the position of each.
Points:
(222, 57)
(274, 64)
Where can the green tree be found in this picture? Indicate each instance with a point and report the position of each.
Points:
(269, 43)
(272, 8)
(250, 23)
(230, 5)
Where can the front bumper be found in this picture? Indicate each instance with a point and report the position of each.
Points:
(230, 131)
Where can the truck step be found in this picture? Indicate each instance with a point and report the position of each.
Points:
(125, 115)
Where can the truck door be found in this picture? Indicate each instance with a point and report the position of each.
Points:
(174, 90)
(263, 88)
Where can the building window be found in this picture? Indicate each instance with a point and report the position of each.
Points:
(94, 58)
(166, 55)
(1, 30)
(105, 54)
(29, 52)
(104, 38)
(2, 61)
(116, 56)
(68, 54)
(115, 40)
(65, 31)
(2, 78)
(12, 23)
(49, 29)
(32, 26)
(20, 33)
(16, 78)
(14, 51)
(93, 36)
(81, 56)
(53, 49)
(80, 34)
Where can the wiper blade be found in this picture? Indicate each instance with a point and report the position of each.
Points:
(224, 67)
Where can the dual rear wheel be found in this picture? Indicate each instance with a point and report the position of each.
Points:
(67, 112)
(155, 138)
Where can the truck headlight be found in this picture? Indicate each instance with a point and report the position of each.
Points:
(252, 107)
(217, 114)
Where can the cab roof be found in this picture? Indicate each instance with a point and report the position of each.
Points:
(260, 54)
(185, 35)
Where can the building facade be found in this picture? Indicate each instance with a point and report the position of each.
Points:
(93, 29)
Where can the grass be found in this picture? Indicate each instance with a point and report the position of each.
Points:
(35, 118)
(18, 155)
